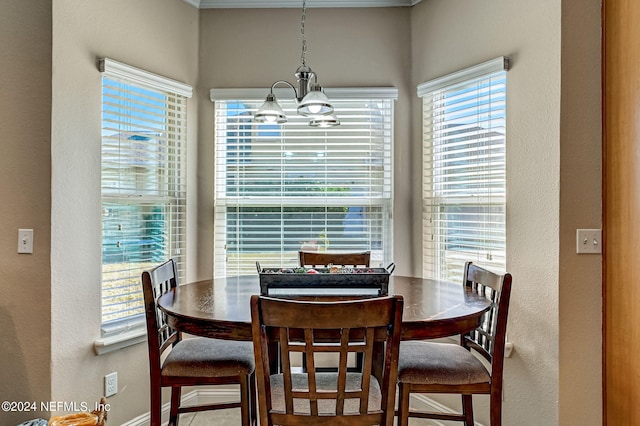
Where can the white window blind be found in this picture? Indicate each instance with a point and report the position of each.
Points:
(464, 169)
(280, 188)
(143, 183)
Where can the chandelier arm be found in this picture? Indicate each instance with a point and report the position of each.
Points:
(285, 83)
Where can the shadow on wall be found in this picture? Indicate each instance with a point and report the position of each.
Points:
(14, 384)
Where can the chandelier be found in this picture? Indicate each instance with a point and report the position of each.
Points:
(311, 100)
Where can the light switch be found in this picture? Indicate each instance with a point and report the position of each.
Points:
(25, 240)
(588, 241)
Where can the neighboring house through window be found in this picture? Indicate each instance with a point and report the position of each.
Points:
(280, 188)
(143, 185)
(464, 170)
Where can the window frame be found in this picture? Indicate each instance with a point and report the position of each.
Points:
(165, 185)
(256, 96)
(487, 200)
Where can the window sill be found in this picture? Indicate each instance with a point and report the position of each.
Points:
(118, 341)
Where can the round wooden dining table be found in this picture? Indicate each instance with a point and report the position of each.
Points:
(219, 308)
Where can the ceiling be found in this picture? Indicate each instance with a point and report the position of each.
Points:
(254, 4)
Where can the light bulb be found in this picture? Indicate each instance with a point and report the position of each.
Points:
(270, 118)
(315, 108)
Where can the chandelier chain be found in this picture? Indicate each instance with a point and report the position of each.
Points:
(304, 40)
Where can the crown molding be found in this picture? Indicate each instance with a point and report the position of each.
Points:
(272, 4)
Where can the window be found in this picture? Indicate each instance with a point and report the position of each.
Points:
(280, 188)
(464, 116)
(143, 184)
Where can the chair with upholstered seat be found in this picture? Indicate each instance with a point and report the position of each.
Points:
(318, 259)
(324, 259)
(430, 367)
(192, 361)
(318, 327)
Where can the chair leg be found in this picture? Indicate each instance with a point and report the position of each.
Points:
(253, 395)
(496, 409)
(156, 405)
(245, 401)
(403, 404)
(176, 392)
(467, 409)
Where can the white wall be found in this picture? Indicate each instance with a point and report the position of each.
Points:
(156, 35)
(553, 153)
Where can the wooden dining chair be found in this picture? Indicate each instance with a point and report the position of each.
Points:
(323, 259)
(192, 361)
(429, 367)
(317, 327)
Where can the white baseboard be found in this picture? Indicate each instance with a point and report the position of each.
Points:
(197, 396)
(421, 402)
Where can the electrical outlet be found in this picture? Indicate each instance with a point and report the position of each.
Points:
(508, 348)
(111, 384)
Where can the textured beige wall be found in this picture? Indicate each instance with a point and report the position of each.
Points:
(580, 286)
(346, 47)
(155, 35)
(25, 191)
(553, 154)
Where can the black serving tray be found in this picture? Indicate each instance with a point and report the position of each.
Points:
(361, 278)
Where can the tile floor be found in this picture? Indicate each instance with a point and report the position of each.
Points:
(231, 417)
